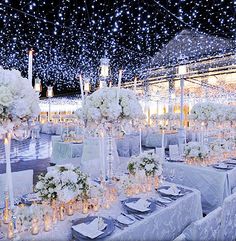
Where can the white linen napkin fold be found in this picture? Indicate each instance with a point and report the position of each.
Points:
(172, 190)
(91, 230)
(142, 205)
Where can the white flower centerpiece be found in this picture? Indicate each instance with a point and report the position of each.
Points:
(103, 106)
(196, 152)
(146, 164)
(18, 100)
(62, 183)
(109, 108)
(149, 162)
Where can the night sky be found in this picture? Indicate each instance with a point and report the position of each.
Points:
(70, 37)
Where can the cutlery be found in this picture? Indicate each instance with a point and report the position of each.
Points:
(118, 224)
(157, 202)
(127, 216)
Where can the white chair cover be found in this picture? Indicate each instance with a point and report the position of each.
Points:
(174, 152)
(228, 225)
(181, 237)
(205, 229)
(22, 184)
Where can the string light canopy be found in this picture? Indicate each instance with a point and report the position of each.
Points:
(71, 36)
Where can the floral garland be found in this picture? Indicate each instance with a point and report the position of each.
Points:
(148, 162)
(63, 183)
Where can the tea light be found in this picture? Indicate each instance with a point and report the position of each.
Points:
(47, 222)
(10, 230)
(156, 182)
(62, 212)
(85, 206)
(70, 210)
(95, 204)
(35, 226)
(54, 215)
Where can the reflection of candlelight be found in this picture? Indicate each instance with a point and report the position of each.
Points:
(47, 222)
(35, 226)
(6, 213)
(10, 230)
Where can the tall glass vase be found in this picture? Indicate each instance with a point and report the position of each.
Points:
(110, 157)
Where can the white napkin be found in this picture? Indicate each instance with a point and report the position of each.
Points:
(142, 205)
(172, 190)
(125, 220)
(32, 197)
(91, 230)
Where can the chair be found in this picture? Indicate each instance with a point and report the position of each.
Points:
(205, 229)
(174, 152)
(228, 219)
(22, 184)
(160, 152)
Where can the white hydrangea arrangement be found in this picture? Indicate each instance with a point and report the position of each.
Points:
(103, 106)
(63, 183)
(218, 146)
(196, 150)
(213, 112)
(150, 163)
(18, 100)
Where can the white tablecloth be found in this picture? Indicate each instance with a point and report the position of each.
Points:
(165, 223)
(214, 184)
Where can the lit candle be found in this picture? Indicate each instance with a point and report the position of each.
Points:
(54, 215)
(119, 85)
(62, 212)
(81, 89)
(70, 210)
(30, 66)
(35, 226)
(140, 140)
(85, 206)
(10, 230)
(47, 222)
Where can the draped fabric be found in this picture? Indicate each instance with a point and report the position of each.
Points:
(228, 225)
(214, 184)
(206, 229)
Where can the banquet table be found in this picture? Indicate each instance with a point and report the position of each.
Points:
(125, 146)
(165, 223)
(214, 184)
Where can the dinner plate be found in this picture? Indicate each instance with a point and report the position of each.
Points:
(106, 232)
(223, 167)
(152, 206)
(231, 161)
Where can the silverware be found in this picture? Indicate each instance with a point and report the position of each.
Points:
(125, 215)
(118, 224)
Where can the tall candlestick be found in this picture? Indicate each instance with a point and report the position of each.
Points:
(81, 89)
(140, 141)
(119, 84)
(30, 66)
(135, 84)
(163, 140)
(9, 185)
